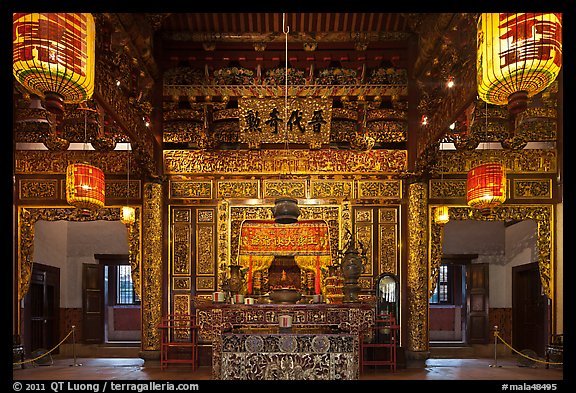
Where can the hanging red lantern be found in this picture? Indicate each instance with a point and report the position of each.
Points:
(486, 187)
(518, 56)
(85, 186)
(53, 57)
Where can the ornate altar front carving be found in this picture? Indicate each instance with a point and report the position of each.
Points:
(343, 320)
(289, 356)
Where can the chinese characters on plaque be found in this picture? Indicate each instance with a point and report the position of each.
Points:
(303, 121)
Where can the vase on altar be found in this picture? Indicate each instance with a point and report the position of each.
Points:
(286, 210)
(352, 267)
(236, 279)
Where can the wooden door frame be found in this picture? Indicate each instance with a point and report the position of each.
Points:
(54, 273)
(544, 318)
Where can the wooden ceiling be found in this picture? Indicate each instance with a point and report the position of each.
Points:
(354, 39)
(298, 22)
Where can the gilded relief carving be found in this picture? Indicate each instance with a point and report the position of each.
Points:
(253, 162)
(447, 188)
(223, 241)
(331, 189)
(119, 189)
(205, 249)
(205, 284)
(205, 215)
(181, 215)
(524, 161)
(532, 188)
(291, 188)
(151, 265)
(201, 189)
(388, 248)
(541, 214)
(417, 280)
(381, 189)
(364, 237)
(387, 215)
(238, 189)
(38, 189)
(28, 162)
(181, 246)
(363, 215)
(181, 283)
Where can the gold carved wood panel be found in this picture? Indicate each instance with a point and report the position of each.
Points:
(325, 189)
(249, 188)
(291, 188)
(192, 252)
(377, 229)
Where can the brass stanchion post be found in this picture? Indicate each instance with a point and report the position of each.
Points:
(495, 348)
(74, 346)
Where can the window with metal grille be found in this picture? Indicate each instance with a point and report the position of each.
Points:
(124, 286)
(443, 290)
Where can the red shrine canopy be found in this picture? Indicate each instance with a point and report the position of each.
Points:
(264, 237)
(307, 240)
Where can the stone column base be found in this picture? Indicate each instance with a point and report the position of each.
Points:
(150, 357)
(416, 359)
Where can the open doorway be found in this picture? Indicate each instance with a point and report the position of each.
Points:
(448, 303)
(121, 312)
(474, 289)
(86, 253)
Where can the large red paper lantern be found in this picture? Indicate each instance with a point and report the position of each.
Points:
(54, 57)
(486, 187)
(518, 56)
(85, 186)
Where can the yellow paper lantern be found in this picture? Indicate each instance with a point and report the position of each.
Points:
(85, 186)
(486, 186)
(441, 216)
(53, 56)
(518, 56)
(127, 215)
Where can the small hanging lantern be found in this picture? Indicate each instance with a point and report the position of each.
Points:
(519, 55)
(84, 186)
(486, 187)
(127, 215)
(54, 57)
(441, 216)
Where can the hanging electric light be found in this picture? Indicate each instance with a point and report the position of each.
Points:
(128, 213)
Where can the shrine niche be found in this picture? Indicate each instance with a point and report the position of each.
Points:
(288, 253)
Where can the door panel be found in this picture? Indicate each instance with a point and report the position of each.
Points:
(477, 282)
(529, 309)
(92, 303)
(42, 308)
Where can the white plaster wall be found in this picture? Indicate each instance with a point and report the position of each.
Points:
(474, 237)
(500, 246)
(68, 245)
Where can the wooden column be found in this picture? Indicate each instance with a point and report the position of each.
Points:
(152, 235)
(417, 291)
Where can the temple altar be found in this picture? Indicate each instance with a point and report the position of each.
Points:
(285, 356)
(225, 325)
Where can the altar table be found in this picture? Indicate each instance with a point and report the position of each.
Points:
(219, 322)
(286, 356)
